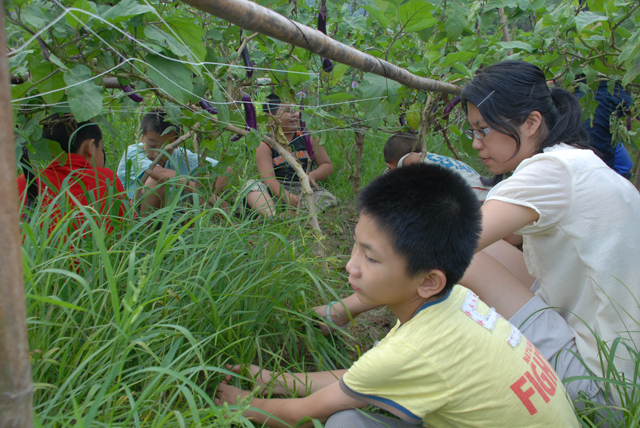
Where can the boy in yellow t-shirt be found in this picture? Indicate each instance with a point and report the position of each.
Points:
(451, 361)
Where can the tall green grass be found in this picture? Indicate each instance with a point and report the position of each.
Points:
(134, 328)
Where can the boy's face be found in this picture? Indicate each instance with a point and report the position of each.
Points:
(377, 273)
(152, 142)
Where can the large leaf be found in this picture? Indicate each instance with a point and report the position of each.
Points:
(586, 18)
(378, 15)
(415, 15)
(85, 97)
(517, 45)
(166, 40)
(297, 74)
(41, 71)
(457, 57)
(75, 18)
(190, 33)
(454, 25)
(124, 10)
(171, 77)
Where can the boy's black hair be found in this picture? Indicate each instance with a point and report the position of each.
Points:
(64, 130)
(155, 121)
(431, 216)
(399, 145)
(272, 104)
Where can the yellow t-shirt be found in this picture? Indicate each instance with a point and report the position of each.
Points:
(457, 363)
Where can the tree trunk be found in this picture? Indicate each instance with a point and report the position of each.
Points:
(359, 135)
(16, 387)
(254, 17)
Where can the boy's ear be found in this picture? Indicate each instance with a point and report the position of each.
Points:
(433, 283)
(392, 165)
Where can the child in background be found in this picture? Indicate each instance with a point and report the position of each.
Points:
(82, 177)
(451, 361)
(399, 152)
(182, 162)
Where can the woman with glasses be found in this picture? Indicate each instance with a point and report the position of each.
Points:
(580, 223)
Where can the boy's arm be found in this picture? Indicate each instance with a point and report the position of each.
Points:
(301, 384)
(161, 175)
(319, 405)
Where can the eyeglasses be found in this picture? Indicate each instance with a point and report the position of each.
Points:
(478, 133)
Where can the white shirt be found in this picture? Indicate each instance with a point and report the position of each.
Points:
(585, 247)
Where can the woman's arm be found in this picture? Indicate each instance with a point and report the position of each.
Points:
(501, 219)
(324, 166)
(264, 162)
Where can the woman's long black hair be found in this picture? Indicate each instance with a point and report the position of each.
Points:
(507, 92)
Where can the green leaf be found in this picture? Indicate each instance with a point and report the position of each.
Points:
(223, 115)
(85, 99)
(295, 77)
(456, 57)
(124, 10)
(40, 69)
(516, 45)
(171, 77)
(454, 25)
(253, 139)
(632, 72)
(166, 40)
(191, 34)
(214, 34)
(76, 19)
(415, 15)
(586, 18)
(413, 116)
(378, 15)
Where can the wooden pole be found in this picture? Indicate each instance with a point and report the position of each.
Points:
(254, 17)
(16, 388)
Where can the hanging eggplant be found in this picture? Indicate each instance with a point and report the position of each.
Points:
(303, 127)
(249, 65)
(250, 118)
(133, 95)
(454, 102)
(402, 120)
(128, 89)
(208, 107)
(327, 64)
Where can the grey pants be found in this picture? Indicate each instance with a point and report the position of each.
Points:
(360, 419)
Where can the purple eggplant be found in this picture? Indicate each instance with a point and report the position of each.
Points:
(208, 107)
(402, 120)
(250, 118)
(303, 128)
(454, 102)
(129, 91)
(327, 65)
(247, 62)
(628, 123)
(322, 18)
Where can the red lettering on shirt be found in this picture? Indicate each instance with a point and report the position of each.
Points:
(547, 379)
(527, 352)
(537, 386)
(523, 395)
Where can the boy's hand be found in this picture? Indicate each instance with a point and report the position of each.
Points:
(261, 377)
(160, 174)
(227, 393)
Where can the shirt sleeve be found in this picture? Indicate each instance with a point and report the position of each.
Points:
(545, 185)
(398, 379)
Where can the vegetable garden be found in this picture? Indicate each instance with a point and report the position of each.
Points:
(134, 328)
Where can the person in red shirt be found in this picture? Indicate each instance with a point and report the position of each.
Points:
(78, 177)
